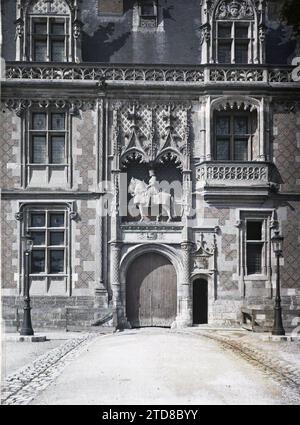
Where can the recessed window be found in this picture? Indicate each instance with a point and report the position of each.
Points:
(48, 232)
(254, 246)
(234, 42)
(110, 7)
(49, 39)
(233, 137)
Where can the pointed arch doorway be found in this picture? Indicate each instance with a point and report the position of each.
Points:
(151, 291)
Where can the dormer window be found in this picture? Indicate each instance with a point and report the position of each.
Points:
(233, 32)
(48, 31)
(49, 39)
(148, 13)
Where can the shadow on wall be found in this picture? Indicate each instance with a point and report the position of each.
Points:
(101, 46)
(279, 47)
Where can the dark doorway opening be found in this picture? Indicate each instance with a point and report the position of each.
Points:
(200, 302)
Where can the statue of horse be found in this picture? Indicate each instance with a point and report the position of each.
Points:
(142, 198)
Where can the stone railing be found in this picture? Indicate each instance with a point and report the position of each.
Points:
(176, 74)
(217, 173)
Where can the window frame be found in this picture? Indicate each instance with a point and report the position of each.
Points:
(235, 40)
(49, 37)
(146, 18)
(27, 132)
(253, 242)
(47, 247)
(232, 136)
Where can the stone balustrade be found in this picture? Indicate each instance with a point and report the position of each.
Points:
(180, 74)
(240, 173)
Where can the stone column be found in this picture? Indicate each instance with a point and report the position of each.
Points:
(185, 315)
(119, 316)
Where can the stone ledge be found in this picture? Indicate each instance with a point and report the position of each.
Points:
(280, 338)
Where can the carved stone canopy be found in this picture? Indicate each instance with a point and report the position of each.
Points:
(152, 132)
(203, 255)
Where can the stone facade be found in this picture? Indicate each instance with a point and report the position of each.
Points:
(126, 117)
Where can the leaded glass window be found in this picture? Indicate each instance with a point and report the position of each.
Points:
(48, 138)
(254, 246)
(48, 230)
(49, 39)
(233, 138)
(234, 42)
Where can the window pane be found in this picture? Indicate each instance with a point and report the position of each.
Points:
(147, 9)
(240, 125)
(40, 28)
(241, 150)
(38, 261)
(254, 254)
(241, 31)
(254, 230)
(57, 238)
(38, 150)
(223, 150)
(37, 220)
(56, 261)
(38, 238)
(224, 52)
(38, 121)
(222, 126)
(241, 53)
(57, 121)
(224, 31)
(58, 28)
(57, 149)
(57, 50)
(57, 220)
(40, 50)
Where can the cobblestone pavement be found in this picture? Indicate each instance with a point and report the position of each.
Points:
(22, 386)
(279, 360)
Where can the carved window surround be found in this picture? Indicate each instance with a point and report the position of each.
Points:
(29, 11)
(38, 175)
(266, 217)
(210, 105)
(146, 22)
(250, 13)
(44, 283)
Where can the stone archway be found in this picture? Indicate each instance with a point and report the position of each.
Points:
(151, 291)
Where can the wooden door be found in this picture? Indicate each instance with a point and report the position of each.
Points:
(200, 302)
(151, 291)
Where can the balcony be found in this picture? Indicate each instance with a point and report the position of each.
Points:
(126, 74)
(248, 182)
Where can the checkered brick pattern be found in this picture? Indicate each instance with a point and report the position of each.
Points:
(86, 162)
(8, 146)
(290, 273)
(85, 251)
(229, 244)
(9, 228)
(285, 150)
(226, 281)
(221, 214)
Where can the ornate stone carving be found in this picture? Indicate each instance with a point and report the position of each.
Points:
(151, 132)
(49, 6)
(203, 253)
(19, 28)
(72, 105)
(235, 9)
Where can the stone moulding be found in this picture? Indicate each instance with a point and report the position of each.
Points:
(179, 74)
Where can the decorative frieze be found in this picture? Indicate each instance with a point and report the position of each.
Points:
(178, 75)
(233, 9)
(233, 173)
(20, 106)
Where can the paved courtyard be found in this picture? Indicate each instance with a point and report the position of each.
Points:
(151, 366)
